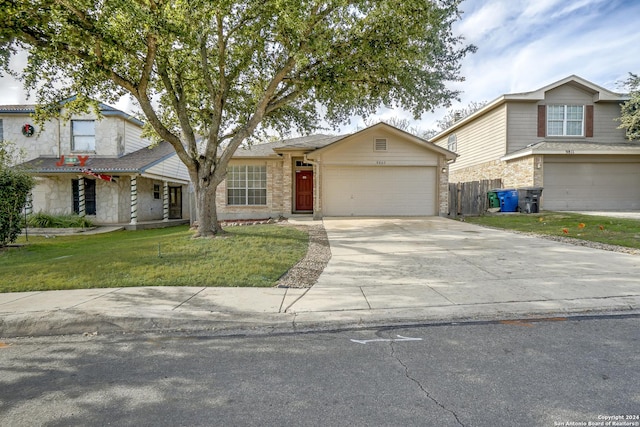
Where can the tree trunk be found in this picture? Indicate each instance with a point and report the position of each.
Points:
(205, 189)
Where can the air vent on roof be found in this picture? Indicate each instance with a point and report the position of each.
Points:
(380, 144)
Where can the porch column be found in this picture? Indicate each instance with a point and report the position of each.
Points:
(134, 200)
(165, 202)
(317, 197)
(82, 210)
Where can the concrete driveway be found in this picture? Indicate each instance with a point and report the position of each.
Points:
(438, 264)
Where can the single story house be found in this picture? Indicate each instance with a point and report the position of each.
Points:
(378, 171)
(99, 167)
(562, 137)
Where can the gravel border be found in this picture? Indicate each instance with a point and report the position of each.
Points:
(572, 241)
(306, 272)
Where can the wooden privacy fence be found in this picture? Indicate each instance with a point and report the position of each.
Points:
(470, 198)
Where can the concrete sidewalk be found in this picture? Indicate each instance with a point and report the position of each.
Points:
(382, 272)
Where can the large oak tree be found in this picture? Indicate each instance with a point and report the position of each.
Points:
(208, 74)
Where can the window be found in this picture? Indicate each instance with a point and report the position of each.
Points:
(83, 135)
(156, 191)
(1, 131)
(380, 144)
(565, 120)
(89, 196)
(452, 142)
(247, 185)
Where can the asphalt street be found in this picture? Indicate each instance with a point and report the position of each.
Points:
(545, 372)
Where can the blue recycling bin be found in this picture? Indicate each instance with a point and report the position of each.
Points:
(508, 200)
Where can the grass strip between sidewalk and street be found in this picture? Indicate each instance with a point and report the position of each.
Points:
(247, 256)
(602, 229)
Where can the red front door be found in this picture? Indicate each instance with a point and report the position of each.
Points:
(304, 190)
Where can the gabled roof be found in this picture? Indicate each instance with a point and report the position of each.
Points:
(137, 162)
(450, 155)
(271, 149)
(105, 110)
(600, 94)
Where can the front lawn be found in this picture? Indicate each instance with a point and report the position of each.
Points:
(608, 230)
(246, 256)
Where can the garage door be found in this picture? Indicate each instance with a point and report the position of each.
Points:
(379, 191)
(591, 186)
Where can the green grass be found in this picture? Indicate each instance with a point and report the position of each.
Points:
(250, 256)
(613, 231)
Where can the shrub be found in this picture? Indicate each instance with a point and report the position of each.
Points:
(45, 220)
(14, 189)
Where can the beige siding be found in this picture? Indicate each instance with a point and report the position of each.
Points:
(133, 140)
(480, 141)
(360, 152)
(170, 168)
(522, 125)
(568, 94)
(605, 127)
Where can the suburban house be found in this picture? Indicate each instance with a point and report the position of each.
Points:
(562, 137)
(99, 167)
(378, 171)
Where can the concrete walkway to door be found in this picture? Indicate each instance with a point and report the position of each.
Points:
(434, 268)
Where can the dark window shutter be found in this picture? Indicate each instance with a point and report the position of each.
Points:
(542, 121)
(588, 122)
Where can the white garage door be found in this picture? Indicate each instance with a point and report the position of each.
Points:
(379, 191)
(591, 186)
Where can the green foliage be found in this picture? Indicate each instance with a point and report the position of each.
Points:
(45, 220)
(228, 70)
(630, 115)
(248, 256)
(14, 189)
(608, 230)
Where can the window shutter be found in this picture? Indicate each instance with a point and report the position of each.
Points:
(588, 121)
(542, 121)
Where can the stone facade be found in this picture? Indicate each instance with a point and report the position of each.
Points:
(522, 172)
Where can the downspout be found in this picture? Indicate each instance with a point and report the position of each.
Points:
(59, 136)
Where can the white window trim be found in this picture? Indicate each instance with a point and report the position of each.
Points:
(74, 135)
(565, 120)
(452, 142)
(245, 186)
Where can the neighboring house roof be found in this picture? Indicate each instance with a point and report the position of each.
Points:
(575, 147)
(105, 110)
(270, 149)
(137, 162)
(600, 94)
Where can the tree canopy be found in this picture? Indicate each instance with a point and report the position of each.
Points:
(630, 115)
(207, 75)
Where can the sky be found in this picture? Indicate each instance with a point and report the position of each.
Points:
(523, 45)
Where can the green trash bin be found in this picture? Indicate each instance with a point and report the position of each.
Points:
(494, 201)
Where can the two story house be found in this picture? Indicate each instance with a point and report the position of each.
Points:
(101, 168)
(563, 137)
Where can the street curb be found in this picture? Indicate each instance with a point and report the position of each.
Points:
(75, 322)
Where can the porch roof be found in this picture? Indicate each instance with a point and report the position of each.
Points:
(137, 162)
(575, 147)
